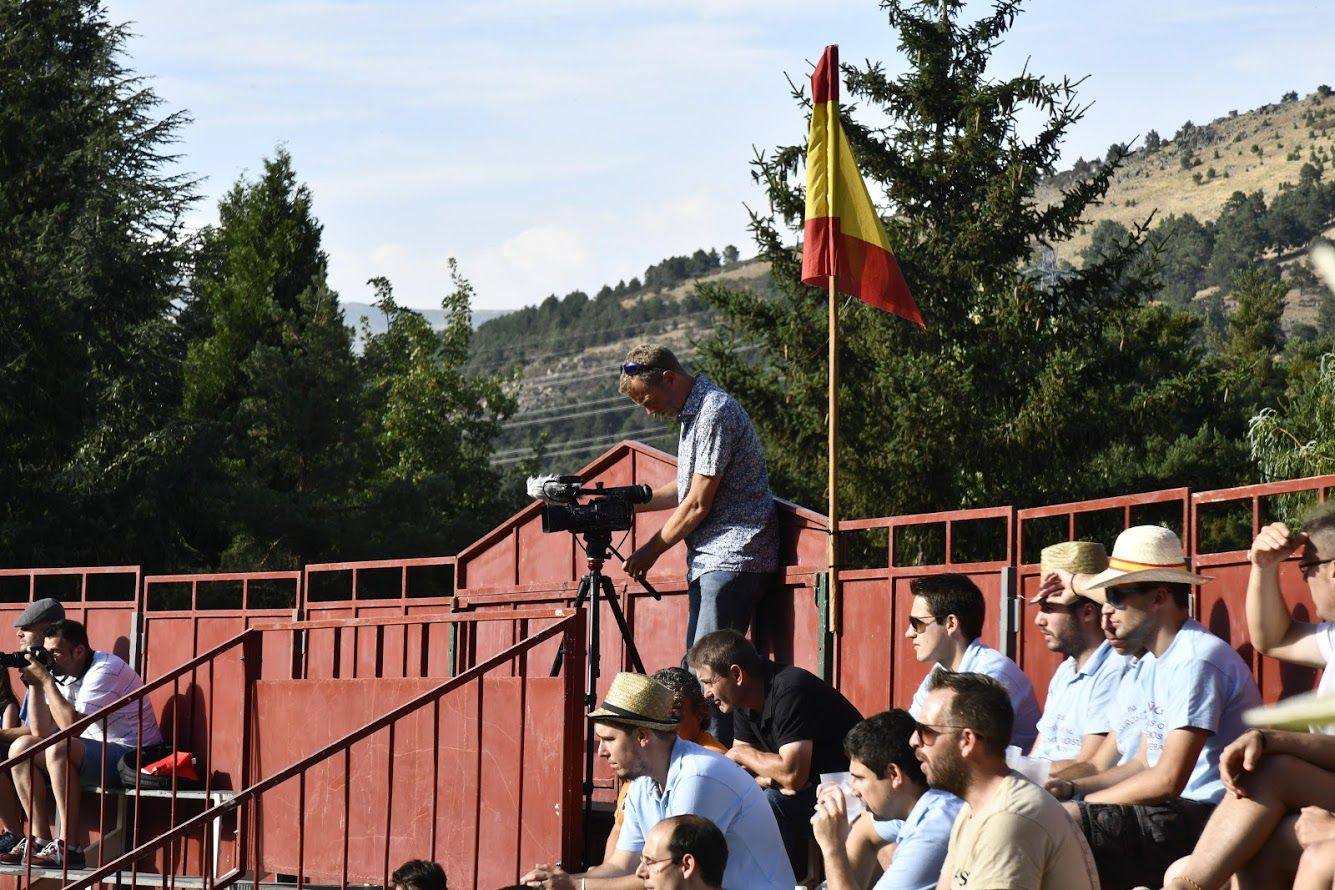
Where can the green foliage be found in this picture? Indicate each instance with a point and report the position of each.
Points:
(92, 254)
(1298, 439)
(1025, 388)
(1251, 377)
(1239, 235)
(270, 375)
(431, 427)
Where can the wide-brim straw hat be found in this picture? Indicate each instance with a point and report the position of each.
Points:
(637, 700)
(1144, 554)
(1076, 557)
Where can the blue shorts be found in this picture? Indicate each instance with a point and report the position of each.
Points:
(90, 771)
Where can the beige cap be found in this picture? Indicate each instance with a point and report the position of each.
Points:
(638, 700)
(1076, 557)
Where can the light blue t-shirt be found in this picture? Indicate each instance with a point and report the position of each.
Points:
(1198, 682)
(708, 784)
(1078, 703)
(980, 658)
(1124, 715)
(923, 840)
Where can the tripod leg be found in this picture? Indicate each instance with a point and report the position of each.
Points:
(580, 598)
(610, 594)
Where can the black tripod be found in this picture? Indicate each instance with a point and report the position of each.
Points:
(592, 587)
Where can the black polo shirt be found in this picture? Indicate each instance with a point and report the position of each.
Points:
(799, 706)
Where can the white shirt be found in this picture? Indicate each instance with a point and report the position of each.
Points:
(1325, 641)
(107, 680)
(980, 658)
(1078, 702)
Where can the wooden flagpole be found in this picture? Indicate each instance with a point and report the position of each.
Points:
(833, 452)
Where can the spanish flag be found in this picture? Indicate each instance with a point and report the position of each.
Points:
(842, 236)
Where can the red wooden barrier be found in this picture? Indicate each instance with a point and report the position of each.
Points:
(1031, 653)
(406, 587)
(875, 666)
(103, 598)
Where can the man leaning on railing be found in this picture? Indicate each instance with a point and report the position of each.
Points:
(81, 681)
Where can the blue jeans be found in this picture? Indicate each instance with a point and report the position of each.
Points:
(90, 771)
(721, 600)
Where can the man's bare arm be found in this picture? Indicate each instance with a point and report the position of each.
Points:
(1166, 779)
(790, 769)
(1270, 625)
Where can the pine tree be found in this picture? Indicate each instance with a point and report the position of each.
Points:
(92, 253)
(271, 373)
(1025, 387)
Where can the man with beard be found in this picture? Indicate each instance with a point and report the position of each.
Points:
(1193, 688)
(888, 779)
(1076, 714)
(1009, 833)
(721, 502)
(637, 736)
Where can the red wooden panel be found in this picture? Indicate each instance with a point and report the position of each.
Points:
(1031, 651)
(502, 781)
(545, 557)
(458, 796)
(907, 672)
(659, 627)
(544, 749)
(867, 643)
(491, 567)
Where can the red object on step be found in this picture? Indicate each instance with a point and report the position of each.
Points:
(182, 763)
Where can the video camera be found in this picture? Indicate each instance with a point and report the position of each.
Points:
(21, 658)
(609, 510)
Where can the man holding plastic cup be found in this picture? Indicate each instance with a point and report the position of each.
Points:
(887, 779)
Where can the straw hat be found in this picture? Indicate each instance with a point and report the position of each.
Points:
(638, 700)
(1076, 557)
(1146, 553)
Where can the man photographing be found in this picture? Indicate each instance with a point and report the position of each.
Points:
(721, 503)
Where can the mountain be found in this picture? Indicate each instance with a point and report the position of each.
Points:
(355, 313)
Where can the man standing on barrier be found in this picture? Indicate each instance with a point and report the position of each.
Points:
(721, 502)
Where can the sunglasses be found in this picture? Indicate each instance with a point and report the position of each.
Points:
(920, 624)
(1117, 595)
(929, 733)
(637, 369)
(1310, 565)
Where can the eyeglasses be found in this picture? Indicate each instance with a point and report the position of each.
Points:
(635, 369)
(929, 733)
(1308, 566)
(646, 862)
(920, 624)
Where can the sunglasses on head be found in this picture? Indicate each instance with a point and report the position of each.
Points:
(637, 369)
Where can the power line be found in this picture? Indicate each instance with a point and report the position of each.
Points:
(597, 446)
(629, 406)
(614, 437)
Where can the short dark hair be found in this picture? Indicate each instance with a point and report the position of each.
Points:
(419, 874)
(1320, 522)
(883, 739)
(721, 649)
(953, 594)
(701, 838)
(981, 704)
(683, 683)
(70, 631)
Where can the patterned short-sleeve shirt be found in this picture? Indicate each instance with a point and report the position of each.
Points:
(718, 439)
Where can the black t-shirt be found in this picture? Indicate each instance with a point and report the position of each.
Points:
(799, 706)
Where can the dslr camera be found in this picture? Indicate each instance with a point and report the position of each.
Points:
(607, 510)
(21, 658)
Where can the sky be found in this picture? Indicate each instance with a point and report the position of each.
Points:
(554, 145)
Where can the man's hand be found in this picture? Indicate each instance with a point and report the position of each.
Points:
(642, 560)
(1239, 758)
(35, 672)
(1061, 789)
(1055, 583)
(830, 822)
(1274, 544)
(548, 877)
(1315, 826)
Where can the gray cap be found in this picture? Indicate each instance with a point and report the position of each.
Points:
(42, 612)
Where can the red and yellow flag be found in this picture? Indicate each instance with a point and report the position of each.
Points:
(842, 235)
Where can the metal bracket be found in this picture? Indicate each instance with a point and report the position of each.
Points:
(1010, 614)
(824, 641)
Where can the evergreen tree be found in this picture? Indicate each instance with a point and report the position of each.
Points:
(1254, 341)
(1183, 246)
(1240, 236)
(92, 253)
(270, 375)
(1025, 388)
(430, 487)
